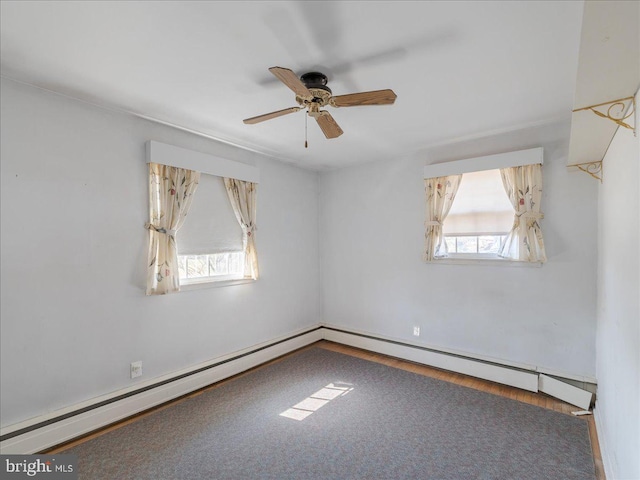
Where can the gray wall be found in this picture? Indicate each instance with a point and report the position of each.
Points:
(374, 280)
(618, 340)
(74, 312)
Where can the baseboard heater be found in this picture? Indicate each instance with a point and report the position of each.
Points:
(46, 431)
(58, 427)
(527, 378)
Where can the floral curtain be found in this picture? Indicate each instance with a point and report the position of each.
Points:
(171, 190)
(440, 193)
(524, 188)
(242, 196)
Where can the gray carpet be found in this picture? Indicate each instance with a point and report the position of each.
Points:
(363, 421)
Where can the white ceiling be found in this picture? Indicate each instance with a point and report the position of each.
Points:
(460, 69)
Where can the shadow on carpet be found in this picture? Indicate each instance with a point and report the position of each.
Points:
(319, 414)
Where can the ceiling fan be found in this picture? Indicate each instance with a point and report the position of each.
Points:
(312, 93)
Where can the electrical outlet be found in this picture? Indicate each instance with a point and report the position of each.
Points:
(136, 369)
(416, 331)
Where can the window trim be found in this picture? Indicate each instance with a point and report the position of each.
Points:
(487, 262)
(489, 162)
(171, 155)
(215, 284)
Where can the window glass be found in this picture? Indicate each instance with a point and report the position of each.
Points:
(211, 267)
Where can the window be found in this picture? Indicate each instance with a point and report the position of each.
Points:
(210, 267)
(474, 245)
(480, 217)
(209, 242)
(213, 238)
(485, 208)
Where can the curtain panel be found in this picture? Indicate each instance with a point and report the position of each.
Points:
(242, 196)
(171, 190)
(524, 188)
(440, 193)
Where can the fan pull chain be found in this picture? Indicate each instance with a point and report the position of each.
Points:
(306, 145)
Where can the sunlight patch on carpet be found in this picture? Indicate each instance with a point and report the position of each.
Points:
(317, 400)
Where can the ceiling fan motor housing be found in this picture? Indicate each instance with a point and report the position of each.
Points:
(316, 83)
(314, 80)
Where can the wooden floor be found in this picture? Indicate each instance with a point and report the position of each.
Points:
(539, 399)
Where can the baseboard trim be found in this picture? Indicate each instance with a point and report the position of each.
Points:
(46, 431)
(582, 382)
(604, 451)
(457, 363)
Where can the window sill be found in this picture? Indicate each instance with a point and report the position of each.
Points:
(486, 261)
(185, 287)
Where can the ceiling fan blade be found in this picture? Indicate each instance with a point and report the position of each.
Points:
(328, 125)
(269, 116)
(292, 81)
(376, 97)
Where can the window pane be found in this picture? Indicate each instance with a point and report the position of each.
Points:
(221, 264)
(197, 266)
(489, 244)
(451, 244)
(182, 266)
(236, 261)
(467, 244)
(211, 266)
